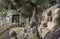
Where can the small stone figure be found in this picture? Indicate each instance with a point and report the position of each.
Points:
(13, 34)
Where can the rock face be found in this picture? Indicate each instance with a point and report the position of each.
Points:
(55, 26)
(50, 22)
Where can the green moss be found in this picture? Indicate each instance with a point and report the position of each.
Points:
(3, 35)
(35, 37)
